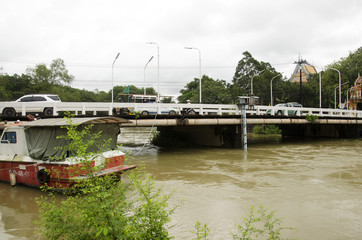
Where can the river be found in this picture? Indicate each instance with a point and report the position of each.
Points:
(315, 186)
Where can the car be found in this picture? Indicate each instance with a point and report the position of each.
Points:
(149, 106)
(280, 111)
(12, 111)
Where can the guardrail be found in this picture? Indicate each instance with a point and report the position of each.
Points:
(93, 108)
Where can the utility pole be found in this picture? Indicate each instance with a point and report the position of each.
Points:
(300, 62)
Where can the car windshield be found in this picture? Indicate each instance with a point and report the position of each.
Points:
(281, 105)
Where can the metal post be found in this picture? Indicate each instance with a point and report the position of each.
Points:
(244, 137)
(144, 77)
(200, 98)
(251, 82)
(112, 73)
(320, 89)
(158, 70)
(349, 89)
(271, 89)
(335, 99)
(339, 83)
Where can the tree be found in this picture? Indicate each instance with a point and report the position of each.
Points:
(213, 91)
(167, 100)
(121, 91)
(244, 72)
(349, 68)
(13, 87)
(56, 74)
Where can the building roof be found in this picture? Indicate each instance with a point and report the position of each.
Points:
(306, 68)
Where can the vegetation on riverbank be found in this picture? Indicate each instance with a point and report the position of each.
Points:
(104, 207)
(266, 129)
(134, 208)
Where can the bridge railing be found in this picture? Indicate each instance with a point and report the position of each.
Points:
(322, 112)
(94, 108)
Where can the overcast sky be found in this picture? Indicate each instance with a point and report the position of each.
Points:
(88, 34)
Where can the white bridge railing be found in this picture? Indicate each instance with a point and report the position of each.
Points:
(93, 108)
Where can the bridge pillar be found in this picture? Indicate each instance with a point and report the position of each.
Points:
(210, 136)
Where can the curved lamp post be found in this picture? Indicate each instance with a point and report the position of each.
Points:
(348, 90)
(112, 73)
(158, 70)
(271, 89)
(199, 68)
(335, 100)
(339, 82)
(144, 77)
(251, 82)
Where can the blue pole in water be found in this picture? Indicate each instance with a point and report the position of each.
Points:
(244, 139)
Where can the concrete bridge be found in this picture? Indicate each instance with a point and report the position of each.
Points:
(226, 131)
(106, 108)
(213, 124)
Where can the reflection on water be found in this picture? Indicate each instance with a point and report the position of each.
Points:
(18, 211)
(314, 185)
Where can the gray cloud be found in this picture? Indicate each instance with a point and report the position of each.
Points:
(88, 35)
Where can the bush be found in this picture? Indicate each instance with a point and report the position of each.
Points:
(260, 224)
(266, 129)
(311, 118)
(104, 207)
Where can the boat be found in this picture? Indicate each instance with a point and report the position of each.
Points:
(30, 153)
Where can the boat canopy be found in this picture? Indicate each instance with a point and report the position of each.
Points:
(43, 141)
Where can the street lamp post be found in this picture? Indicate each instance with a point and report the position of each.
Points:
(158, 70)
(320, 89)
(251, 82)
(339, 82)
(200, 98)
(144, 77)
(349, 89)
(112, 73)
(335, 100)
(271, 89)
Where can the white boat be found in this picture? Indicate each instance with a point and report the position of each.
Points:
(28, 152)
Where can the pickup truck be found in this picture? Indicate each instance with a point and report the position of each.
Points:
(280, 109)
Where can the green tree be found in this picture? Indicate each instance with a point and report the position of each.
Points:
(349, 68)
(213, 91)
(120, 95)
(263, 72)
(55, 74)
(13, 87)
(167, 100)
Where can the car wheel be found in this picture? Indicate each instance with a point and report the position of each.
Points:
(9, 112)
(124, 111)
(191, 112)
(172, 112)
(145, 113)
(48, 112)
(279, 113)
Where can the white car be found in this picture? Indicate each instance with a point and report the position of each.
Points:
(12, 109)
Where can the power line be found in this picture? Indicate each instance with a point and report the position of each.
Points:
(87, 65)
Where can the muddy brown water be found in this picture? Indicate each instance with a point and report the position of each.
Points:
(315, 186)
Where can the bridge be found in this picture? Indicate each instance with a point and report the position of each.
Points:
(99, 108)
(216, 125)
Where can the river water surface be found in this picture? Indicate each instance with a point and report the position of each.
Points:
(315, 186)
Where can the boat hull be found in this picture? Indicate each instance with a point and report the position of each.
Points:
(56, 175)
